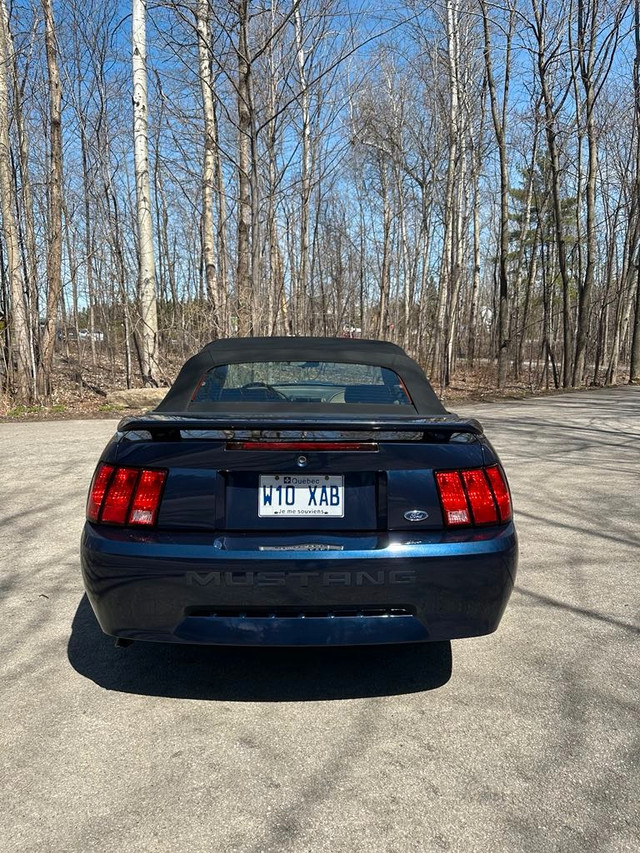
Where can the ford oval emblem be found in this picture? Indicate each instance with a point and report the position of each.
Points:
(416, 515)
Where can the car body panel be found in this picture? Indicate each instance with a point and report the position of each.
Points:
(212, 488)
(142, 585)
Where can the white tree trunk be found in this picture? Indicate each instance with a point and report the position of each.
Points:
(208, 165)
(147, 272)
(438, 371)
(305, 173)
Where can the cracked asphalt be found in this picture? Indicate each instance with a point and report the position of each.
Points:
(527, 740)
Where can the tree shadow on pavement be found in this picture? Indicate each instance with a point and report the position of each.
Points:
(231, 674)
(547, 601)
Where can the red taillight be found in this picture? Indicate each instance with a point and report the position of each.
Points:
(97, 491)
(303, 445)
(116, 503)
(501, 491)
(483, 507)
(474, 496)
(453, 498)
(125, 495)
(146, 501)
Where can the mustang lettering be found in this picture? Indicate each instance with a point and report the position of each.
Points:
(392, 576)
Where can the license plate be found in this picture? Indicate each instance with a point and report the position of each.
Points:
(297, 495)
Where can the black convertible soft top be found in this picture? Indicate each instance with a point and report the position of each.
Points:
(340, 350)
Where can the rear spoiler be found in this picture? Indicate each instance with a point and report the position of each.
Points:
(162, 425)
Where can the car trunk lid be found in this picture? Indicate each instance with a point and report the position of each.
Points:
(255, 476)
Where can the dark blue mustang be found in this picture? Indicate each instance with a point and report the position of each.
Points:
(299, 491)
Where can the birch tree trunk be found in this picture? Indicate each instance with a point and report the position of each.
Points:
(146, 259)
(54, 237)
(305, 171)
(208, 165)
(19, 322)
(438, 367)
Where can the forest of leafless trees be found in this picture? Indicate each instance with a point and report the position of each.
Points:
(459, 176)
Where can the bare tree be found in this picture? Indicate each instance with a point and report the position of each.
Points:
(449, 261)
(546, 54)
(634, 375)
(30, 249)
(499, 116)
(54, 240)
(215, 283)
(306, 181)
(595, 50)
(244, 276)
(146, 268)
(19, 322)
(305, 175)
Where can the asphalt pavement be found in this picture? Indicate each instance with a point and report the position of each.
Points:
(527, 740)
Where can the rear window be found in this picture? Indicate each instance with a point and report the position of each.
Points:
(301, 382)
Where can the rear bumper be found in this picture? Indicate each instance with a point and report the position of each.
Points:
(244, 590)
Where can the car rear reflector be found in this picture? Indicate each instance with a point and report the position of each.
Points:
(500, 491)
(98, 489)
(125, 496)
(483, 507)
(345, 446)
(474, 496)
(453, 498)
